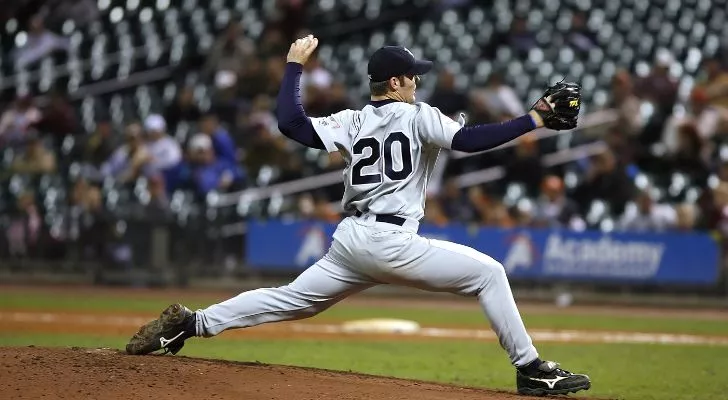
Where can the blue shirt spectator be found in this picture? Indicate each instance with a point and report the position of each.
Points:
(206, 172)
(222, 142)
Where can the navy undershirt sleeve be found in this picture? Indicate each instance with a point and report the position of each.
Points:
(472, 139)
(292, 119)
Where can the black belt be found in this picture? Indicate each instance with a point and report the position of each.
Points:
(388, 218)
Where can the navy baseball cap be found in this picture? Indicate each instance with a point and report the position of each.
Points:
(390, 61)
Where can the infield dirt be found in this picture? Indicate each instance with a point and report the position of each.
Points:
(78, 373)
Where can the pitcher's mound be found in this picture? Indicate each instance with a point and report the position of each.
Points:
(77, 373)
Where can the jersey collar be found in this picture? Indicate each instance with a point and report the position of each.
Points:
(379, 103)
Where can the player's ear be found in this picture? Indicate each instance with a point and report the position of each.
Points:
(394, 83)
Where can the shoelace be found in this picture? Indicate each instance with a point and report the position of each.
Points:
(557, 369)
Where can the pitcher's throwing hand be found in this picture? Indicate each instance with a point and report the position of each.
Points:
(302, 49)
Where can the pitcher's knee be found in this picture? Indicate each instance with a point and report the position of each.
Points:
(493, 273)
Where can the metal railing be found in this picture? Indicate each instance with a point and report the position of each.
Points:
(549, 160)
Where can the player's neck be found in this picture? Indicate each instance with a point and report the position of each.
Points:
(389, 96)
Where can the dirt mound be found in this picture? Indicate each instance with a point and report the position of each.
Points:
(76, 373)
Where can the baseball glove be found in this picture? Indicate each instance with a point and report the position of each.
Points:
(559, 106)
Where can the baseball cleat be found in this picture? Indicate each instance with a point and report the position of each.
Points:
(549, 379)
(175, 324)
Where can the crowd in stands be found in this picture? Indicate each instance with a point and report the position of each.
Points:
(235, 143)
(643, 148)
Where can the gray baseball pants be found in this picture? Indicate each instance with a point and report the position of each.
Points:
(365, 253)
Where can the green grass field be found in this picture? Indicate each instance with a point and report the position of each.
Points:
(619, 371)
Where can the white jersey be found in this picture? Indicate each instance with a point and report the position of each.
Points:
(390, 152)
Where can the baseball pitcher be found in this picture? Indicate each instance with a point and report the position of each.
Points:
(390, 147)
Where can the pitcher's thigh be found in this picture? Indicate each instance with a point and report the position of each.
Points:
(448, 267)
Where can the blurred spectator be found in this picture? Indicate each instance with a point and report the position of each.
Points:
(646, 216)
(481, 204)
(336, 161)
(305, 206)
(689, 156)
(659, 87)
(499, 100)
(316, 207)
(526, 166)
(40, 43)
(261, 114)
(722, 170)
(36, 159)
(273, 43)
(553, 209)
(165, 153)
(338, 99)
(626, 103)
(83, 201)
(255, 78)
(222, 142)
(580, 36)
(523, 213)
(17, 120)
(316, 101)
(83, 194)
(59, 117)
(315, 83)
(519, 39)
(720, 205)
(625, 148)
(267, 148)
(87, 221)
(285, 16)
(660, 90)
(489, 211)
(707, 120)
(99, 146)
(455, 206)
(478, 112)
(709, 213)
(158, 199)
(714, 81)
(128, 161)
(182, 109)
(25, 232)
(686, 217)
(324, 210)
(501, 217)
(225, 102)
(230, 51)
(207, 172)
(433, 212)
(446, 97)
(275, 69)
(604, 180)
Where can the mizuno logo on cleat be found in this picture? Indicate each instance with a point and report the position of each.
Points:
(550, 382)
(165, 342)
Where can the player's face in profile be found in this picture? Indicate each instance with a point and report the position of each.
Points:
(407, 90)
